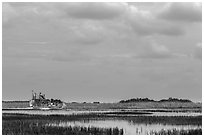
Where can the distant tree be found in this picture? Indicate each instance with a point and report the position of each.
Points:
(137, 100)
(96, 102)
(175, 100)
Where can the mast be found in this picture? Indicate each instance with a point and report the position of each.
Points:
(32, 94)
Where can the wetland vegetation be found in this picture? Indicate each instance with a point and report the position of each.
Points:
(93, 124)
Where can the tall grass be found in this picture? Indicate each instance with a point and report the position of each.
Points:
(33, 127)
(177, 132)
(172, 120)
(19, 124)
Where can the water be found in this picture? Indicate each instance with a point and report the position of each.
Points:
(129, 128)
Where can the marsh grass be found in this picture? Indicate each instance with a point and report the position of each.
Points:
(34, 127)
(177, 132)
(172, 120)
(19, 124)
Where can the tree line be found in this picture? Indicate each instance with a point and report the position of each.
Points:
(151, 100)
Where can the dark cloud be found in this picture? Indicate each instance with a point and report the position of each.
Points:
(187, 12)
(98, 11)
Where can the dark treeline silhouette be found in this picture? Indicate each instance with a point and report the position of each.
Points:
(175, 100)
(137, 100)
(151, 100)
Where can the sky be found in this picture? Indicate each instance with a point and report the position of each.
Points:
(102, 51)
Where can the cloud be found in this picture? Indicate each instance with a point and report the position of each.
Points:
(88, 33)
(64, 17)
(95, 11)
(82, 45)
(155, 50)
(109, 28)
(8, 14)
(151, 27)
(185, 12)
(145, 23)
(198, 51)
(34, 22)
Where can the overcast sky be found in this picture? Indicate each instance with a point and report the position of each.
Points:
(102, 51)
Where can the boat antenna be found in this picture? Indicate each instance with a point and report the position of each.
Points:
(32, 94)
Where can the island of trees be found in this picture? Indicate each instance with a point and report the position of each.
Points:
(151, 100)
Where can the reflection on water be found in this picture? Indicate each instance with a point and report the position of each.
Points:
(128, 127)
